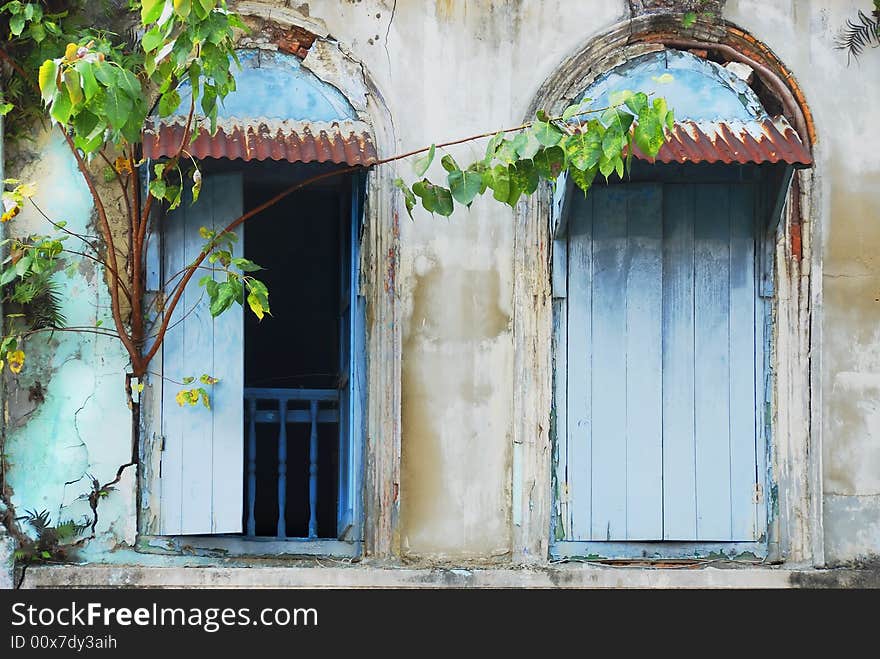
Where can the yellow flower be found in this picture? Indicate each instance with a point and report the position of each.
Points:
(8, 215)
(16, 360)
(122, 165)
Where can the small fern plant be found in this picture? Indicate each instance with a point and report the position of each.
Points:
(52, 543)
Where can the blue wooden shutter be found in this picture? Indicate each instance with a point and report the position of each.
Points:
(709, 358)
(660, 411)
(352, 383)
(202, 458)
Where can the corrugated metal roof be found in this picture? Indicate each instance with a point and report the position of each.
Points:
(348, 142)
(758, 141)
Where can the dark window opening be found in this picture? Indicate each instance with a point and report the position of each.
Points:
(294, 357)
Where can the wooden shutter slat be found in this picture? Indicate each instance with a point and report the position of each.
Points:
(643, 344)
(679, 476)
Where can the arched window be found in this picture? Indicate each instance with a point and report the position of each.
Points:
(279, 453)
(661, 284)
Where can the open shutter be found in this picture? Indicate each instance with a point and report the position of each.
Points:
(351, 367)
(202, 457)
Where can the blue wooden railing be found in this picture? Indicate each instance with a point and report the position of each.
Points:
(280, 417)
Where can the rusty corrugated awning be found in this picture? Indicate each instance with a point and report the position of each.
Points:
(719, 117)
(279, 110)
(758, 141)
(345, 141)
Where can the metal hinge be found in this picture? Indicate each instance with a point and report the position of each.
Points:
(758, 495)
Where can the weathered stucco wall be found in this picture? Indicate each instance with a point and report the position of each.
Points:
(447, 69)
(845, 104)
(68, 419)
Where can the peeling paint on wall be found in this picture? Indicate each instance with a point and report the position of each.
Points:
(68, 416)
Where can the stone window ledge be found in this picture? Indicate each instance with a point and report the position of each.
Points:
(367, 576)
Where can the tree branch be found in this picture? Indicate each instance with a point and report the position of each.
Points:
(104, 224)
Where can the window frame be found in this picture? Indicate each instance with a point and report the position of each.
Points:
(772, 186)
(350, 544)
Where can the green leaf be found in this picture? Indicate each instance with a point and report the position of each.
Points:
(464, 186)
(549, 162)
(61, 106)
(245, 265)
(37, 32)
(256, 305)
(74, 88)
(529, 146)
(498, 178)
(583, 179)
(516, 186)
(527, 176)
(547, 134)
(5, 108)
(449, 163)
(196, 186)
(689, 19)
(168, 102)
(107, 74)
(637, 102)
(585, 149)
(660, 107)
(223, 300)
(16, 24)
(613, 141)
(158, 188)
(189, 379)
(648, 135)
(151, 10)
(211, 288)
(117, 106)
(129, 83)
(89, 83)
(422, 163)
(606, 166)
(492, 147)
(435, 199)
(409, 199)
(182, 8)
(174, 194)
(48, 75)
(571, 111)
(152, 39)
(7, 276)
(507, 152)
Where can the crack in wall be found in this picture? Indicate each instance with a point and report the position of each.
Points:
(387, 34)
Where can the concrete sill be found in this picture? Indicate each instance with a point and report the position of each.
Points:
(366, 576)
